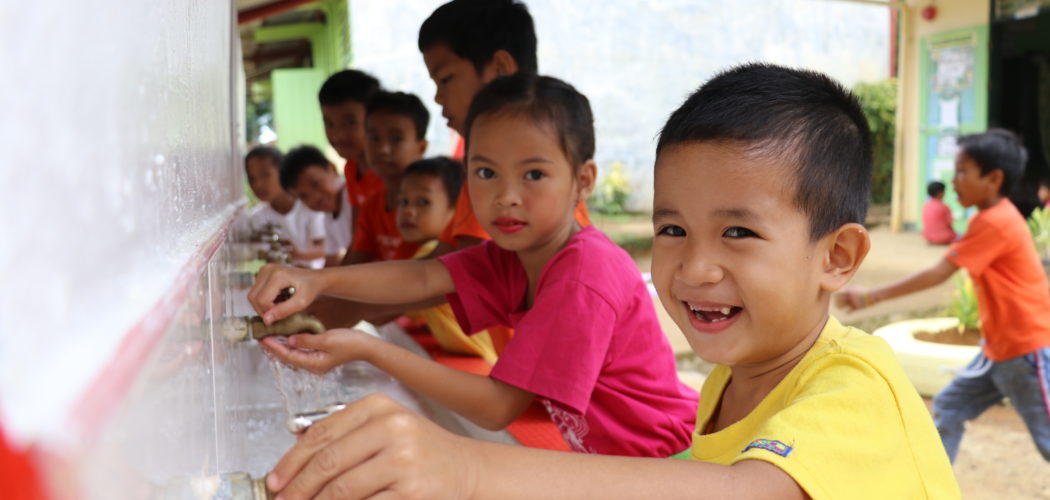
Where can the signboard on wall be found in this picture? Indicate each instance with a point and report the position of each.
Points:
(953, 68)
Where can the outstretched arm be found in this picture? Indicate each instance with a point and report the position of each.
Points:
(853, 298)
(376, 447)
(393, 282)
(485, 401)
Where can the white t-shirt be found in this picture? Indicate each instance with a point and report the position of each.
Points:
(338, 229)
(301, 226)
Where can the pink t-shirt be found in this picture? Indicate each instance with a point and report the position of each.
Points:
(590, 347)
(937, 222)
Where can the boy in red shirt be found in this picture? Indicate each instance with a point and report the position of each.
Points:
(937, 217)
(1013, 296)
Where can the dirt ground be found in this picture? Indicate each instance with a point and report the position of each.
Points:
(997, 459)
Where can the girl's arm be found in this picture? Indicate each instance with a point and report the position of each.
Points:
(853, 298)
(485, 401)
(393, 282)
(377, 447)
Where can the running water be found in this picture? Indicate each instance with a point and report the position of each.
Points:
(303, 391)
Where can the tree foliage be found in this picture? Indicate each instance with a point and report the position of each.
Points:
(879, 102)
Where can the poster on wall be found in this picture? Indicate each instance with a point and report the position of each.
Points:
(954, 102)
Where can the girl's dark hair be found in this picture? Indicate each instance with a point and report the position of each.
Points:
(545, 101)
(448, 170)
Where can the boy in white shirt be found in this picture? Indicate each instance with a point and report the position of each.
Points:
(292, 220)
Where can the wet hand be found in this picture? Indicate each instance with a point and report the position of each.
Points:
(375, 447)
(274, 279)
(320, 353)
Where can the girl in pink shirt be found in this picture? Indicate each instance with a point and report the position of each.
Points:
(587, 342)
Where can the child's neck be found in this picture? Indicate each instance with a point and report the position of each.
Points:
(989, 202)
(750, 384)
(534, 260)
(390, 188)
(283, 203)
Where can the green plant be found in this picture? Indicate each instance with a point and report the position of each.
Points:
(610, 196)
(879, 103)
(963, 304)
(1039, 226)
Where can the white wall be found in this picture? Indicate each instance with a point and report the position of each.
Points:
(637, 60)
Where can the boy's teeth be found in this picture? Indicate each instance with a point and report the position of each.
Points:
(725, 310)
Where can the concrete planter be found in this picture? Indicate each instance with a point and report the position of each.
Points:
(929, 365)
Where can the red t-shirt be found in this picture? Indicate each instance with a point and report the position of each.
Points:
(591, 347)
(377, 232)
(937, 222)
(1013, 297)
(359, 190)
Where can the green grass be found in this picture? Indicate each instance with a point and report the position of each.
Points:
(636, 245)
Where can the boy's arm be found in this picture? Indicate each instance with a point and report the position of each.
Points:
(487, 402)
(853, 297)
(376, 445)
(393, 282)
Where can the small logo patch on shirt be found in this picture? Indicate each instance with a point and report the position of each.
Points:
(770, 445)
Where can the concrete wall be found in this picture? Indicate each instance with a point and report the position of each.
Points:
(909, 183)
(636, 60)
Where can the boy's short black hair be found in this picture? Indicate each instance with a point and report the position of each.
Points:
(400, 103)
(935, 188)
(448, 170)
(997, 149)
(476, 29)
(544, 100)
(802, 117)
(272, 153)
(348, 85)
(298, 160)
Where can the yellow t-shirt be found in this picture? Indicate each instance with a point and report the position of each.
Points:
(442, 323)
(844, 423)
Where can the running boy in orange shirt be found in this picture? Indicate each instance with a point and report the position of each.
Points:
(1013, 296)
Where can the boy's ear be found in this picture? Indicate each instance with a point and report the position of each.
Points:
(586, 176)
(422, 147)
(996, 179)
(503, 63)
(844, 250)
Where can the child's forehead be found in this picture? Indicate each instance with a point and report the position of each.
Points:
(421, 182)
(388, 118)
(348, 106)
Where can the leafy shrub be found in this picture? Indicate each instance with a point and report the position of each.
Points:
(963, 304)
(879, 102)
(610, 195)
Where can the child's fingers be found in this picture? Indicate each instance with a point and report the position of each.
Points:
(329, 448)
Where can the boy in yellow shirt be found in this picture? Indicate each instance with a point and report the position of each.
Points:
(761, 186)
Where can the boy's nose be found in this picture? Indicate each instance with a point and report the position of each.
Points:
(699, 269)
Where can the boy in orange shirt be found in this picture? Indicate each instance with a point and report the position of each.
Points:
(466, 44)
(1013, 296)
(396, 125)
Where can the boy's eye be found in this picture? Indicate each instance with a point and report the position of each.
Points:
(445, 79)
(424, 202)
(739, 232)
(485, 173)
(671, 230)
(534, 175)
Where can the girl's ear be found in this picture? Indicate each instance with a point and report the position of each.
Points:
(843, 251)
(585, 179)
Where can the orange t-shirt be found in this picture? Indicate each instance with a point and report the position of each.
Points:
(360, 189)
(464, 223)
(1013, 297)
(377, 232)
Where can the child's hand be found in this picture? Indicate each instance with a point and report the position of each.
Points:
(272, 280)
(322, 352)
(375, 447)
(852, 298)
